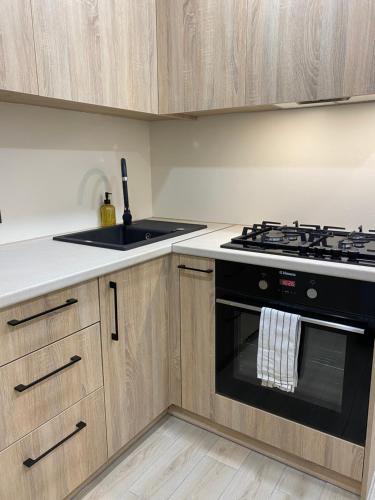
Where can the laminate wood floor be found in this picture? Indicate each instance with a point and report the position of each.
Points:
(180, 461)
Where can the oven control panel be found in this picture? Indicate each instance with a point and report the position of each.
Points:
(287, 282)
(295, 288)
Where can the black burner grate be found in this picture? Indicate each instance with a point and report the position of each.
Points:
(308, 240)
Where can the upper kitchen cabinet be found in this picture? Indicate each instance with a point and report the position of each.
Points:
(129, 54)
(68, 49)
(202, 54)
(302, 50)
(97, 51)
(17, 58)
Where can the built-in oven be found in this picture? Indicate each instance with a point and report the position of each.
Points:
(336, 348)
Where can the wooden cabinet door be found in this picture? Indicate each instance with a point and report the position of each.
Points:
(67, 48)
(202, 54)
(17, 56)
(136, 367)
(301, 50)
(129, 54)
(97, 51)
(197, 296)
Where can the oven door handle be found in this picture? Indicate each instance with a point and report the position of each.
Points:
(304, 319)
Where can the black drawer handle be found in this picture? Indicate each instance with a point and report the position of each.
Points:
(113, 285)
(207, 271)
(29, 462)
(16, 322)
(23, 387)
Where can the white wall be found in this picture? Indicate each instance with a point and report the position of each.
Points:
(55, 166)
(315, 164)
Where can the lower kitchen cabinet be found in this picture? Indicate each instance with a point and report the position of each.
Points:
(30, 325)
(135, 318)
(42, 384)
(197, 298)
(71, 447)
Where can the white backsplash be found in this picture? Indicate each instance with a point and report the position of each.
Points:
(55, 166)
(315, 164)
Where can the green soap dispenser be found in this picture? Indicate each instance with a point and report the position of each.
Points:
(107, 212)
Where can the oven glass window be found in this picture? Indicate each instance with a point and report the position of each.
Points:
(333, 374)
(321, 363)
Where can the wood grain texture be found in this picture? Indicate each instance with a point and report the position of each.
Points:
(129, 54)
(202, 54)
(67, 45)
(17, 56)
(136, 367)
(28, 337)
(369, 463)
(50, 102)
(359, 75)
(197, 295)
(56, 475)
(301, 50)
(174, 343)
(174, 465)
(269, 451)
(327, 451)
(131, 465)
(98, 52)
(207, 481)
(20, 413)
(179, 460)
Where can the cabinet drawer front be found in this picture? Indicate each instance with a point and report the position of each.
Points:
(70, 454)
(41, 385)
(31, 325)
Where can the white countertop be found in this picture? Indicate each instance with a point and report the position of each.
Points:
(208, 245)
(35, 267)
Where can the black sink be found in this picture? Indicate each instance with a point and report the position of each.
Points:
(120, 237)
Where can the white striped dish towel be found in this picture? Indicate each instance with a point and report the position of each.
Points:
(278, 346)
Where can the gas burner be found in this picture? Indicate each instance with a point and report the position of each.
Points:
(292, 236)
(357, 240)
(309, 241)
(274, 236)
(346, 244)
(360, 243)
(357, 236)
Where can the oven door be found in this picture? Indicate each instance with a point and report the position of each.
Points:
(334, 367)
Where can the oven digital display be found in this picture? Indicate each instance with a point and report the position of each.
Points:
(289, 283)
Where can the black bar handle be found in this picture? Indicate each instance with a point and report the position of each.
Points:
(113, 285)
(23, 387)
(207, 271)
(29, 462)
(16, 322)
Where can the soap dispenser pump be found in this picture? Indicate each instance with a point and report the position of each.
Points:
(107, 212)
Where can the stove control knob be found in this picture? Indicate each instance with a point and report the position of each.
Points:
(312, 293)
(263, 284)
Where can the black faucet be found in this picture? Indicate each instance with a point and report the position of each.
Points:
(127, 217)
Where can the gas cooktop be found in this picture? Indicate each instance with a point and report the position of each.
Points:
(327, 243)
